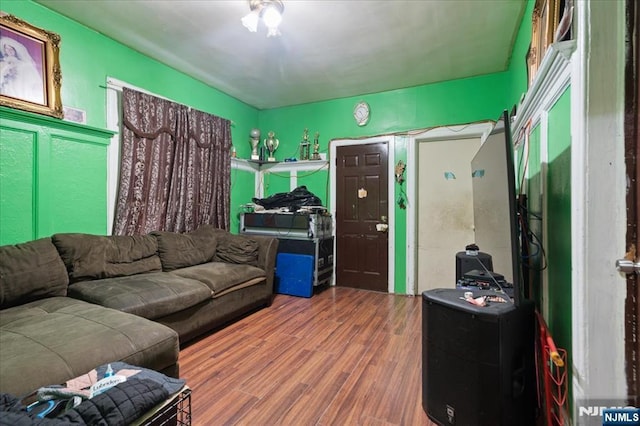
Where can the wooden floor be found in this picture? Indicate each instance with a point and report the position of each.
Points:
(342, 357)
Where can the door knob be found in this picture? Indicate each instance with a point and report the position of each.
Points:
(627, 266)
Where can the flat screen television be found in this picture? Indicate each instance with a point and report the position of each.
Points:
(495, 211)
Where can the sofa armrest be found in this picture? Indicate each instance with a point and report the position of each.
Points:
(268, 250)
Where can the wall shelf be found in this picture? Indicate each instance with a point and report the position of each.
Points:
(260, 168)
(278, 166)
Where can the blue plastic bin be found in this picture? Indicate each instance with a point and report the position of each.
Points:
(294, 274)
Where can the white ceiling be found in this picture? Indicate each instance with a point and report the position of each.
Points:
(327, 48)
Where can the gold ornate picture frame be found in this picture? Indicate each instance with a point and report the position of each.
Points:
(545, 19)
(30, 76)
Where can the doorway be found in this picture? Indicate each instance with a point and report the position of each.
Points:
(363, 215)
(438, 164)
(445, 208)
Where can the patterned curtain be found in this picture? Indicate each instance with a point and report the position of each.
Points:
(174, 169)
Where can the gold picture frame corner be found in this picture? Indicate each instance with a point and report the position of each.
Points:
(30, 82)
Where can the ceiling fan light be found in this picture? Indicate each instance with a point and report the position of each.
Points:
(271, 16)
(250, 21)
(270, 11)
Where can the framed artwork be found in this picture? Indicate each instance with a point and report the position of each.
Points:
(30, 76)
(545, 19)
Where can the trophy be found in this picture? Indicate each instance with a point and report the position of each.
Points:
(271, 143)
(304, 146)
(255, 141)
(316, 147)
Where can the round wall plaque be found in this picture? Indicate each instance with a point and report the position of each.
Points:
(361, 113)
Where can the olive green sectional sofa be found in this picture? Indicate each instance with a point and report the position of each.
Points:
(72, 302)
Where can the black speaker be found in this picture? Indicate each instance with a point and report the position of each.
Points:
(477, 362)
(468, 262)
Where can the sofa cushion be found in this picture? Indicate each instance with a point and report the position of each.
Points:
(182, 250)
(237, 249)
(89, 257)
(220, 276)
(31, 271)
(153, 295)
(50, 341)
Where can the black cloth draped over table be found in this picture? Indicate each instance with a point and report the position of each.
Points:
(293, 200)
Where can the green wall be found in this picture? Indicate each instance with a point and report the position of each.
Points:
(518, 74)
(558, 221)
(549, 183)
(41, 159)
(450, 102)
(534, 205)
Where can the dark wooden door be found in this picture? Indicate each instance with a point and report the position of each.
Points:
(362, 204)
(632, 152)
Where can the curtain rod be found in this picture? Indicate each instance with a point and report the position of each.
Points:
(118, 85)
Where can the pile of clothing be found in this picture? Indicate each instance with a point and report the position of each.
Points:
(292, 201)
(71, 404)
